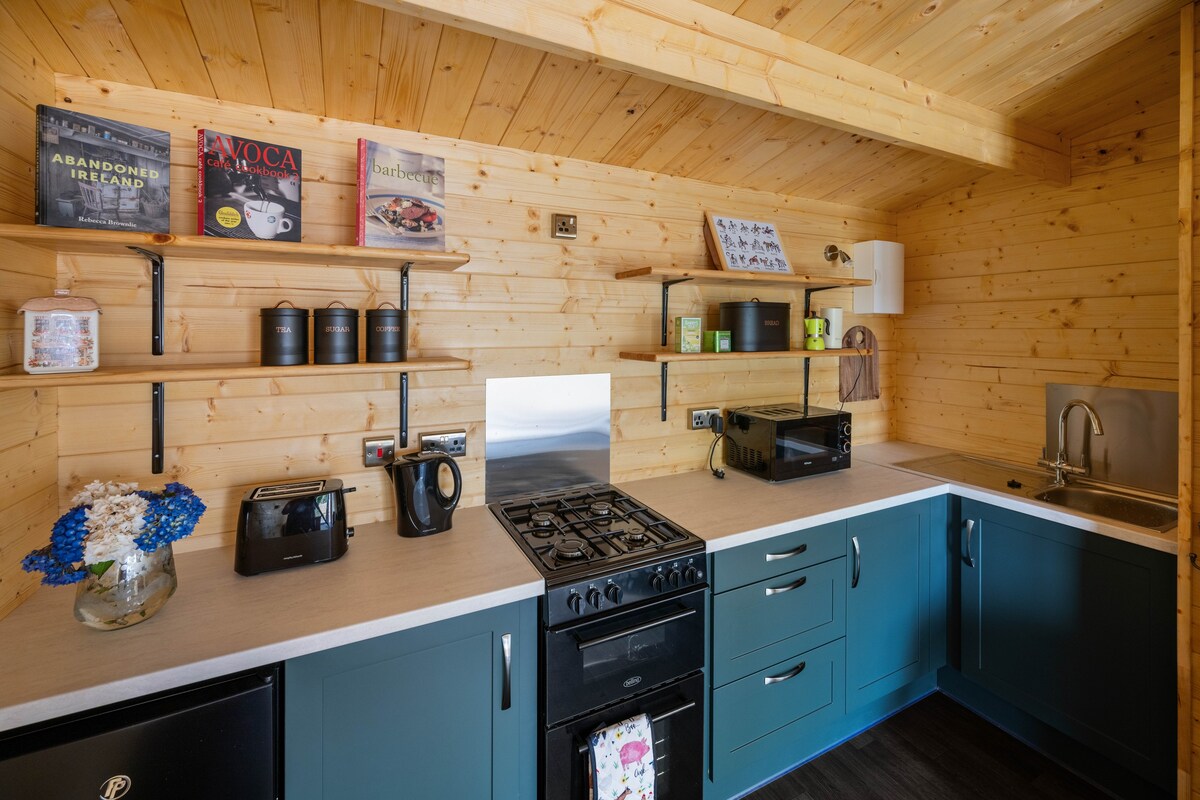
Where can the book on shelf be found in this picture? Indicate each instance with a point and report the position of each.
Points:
(247, 189)
(101, 173)
(401, 198)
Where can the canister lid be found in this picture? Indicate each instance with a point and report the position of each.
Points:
(330, 311)
(278, 311)
(61, 301)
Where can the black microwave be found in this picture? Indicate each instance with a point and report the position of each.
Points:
(785, 441)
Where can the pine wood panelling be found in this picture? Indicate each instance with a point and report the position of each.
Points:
(525, 304)
(285, 28)
(350, 55)
(462, 58)
(164, 42)
(408, 47)
(226, 34)
(98, 39)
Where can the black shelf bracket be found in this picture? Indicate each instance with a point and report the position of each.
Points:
(403, 438)
(157, 297)
(808, 293)
(666, 293)
(158, 409)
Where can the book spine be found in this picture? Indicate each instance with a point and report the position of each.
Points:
(360, 234)
(200, 182)
(39, 195)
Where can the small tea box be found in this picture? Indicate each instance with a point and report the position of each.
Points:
(687, 334)
(62, 333)
(717, 342)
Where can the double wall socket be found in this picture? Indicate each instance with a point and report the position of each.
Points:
(452, 443)
(702, 417)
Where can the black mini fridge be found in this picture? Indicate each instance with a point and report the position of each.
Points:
(216, 739)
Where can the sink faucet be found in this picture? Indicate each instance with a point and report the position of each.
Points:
(1061, 464)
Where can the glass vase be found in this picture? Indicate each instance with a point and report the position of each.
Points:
(130, 591)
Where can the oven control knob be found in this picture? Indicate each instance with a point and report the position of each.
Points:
(575, 602)
(657, 582)
(595, 598)
(674, 577)
(613, 593)
(691, 575)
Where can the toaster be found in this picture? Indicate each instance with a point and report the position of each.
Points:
(290, 524)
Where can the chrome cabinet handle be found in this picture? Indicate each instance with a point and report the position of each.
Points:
(506, 688)
(970, 531)
(781, 589)
(857, 562)
(788, 554)
(791, 673)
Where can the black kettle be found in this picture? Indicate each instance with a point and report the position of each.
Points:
(421, 508)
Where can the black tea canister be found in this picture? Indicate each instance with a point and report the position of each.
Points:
(284, 336)
(335, 334)
(387, 334)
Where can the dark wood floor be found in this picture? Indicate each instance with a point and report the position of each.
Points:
(932, 750)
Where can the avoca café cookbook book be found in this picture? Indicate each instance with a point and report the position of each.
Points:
(401, 198)
(101, 173)
(247, 189)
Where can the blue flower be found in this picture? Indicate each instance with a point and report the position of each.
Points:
(56, 572)
(67, 535)
(170, 516)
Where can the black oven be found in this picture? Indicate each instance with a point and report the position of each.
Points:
(787, 441)
(643, 660)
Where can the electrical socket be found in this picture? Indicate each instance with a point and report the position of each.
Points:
(702, 417)
(378, 451)
(452, 443)
(564, 226)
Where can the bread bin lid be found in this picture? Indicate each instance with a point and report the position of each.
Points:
(61, 301)
(756, 303)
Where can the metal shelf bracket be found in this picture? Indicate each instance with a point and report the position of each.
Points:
(808, 293)
(666, 292)
(158, 389)
(404, 270)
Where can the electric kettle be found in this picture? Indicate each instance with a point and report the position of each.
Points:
(421, 508)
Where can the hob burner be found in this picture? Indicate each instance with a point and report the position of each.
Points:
(635, 534)
(570, 549)
(600, 509)
(542, 523)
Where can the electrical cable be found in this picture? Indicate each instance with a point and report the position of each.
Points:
(718, 428)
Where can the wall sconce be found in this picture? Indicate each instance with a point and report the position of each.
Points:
(833, 253)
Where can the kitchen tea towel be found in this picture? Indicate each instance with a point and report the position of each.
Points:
(623, 760)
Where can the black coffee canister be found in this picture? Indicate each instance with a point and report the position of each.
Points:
(335, 334)
(387, 334)
(284, 336)
(757, 327)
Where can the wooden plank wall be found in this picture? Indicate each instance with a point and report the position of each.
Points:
(1011, 284)
(525, 305)
(28, 419)
(1189, 248)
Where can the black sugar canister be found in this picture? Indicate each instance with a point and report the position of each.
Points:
(335, 334)
(284, 340)
(387, 334)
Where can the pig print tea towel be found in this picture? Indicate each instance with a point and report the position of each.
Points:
(623, 760)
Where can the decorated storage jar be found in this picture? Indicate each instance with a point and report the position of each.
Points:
(62, 333)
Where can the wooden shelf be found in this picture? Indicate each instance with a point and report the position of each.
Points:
(733, 278)
(112, 376)
(93, 242)
(659, 357)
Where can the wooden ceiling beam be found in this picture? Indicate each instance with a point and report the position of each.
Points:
(690, 45)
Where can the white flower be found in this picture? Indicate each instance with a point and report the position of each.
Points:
(113, 523)
(96, 490)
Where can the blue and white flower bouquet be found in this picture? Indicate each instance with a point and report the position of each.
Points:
(109, 523)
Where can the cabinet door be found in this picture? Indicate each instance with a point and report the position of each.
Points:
(420, 713)
(1074, 628)
(887, 601)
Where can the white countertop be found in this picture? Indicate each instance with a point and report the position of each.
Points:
(219, 622)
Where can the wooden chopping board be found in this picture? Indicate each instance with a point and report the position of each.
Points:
(858, 377)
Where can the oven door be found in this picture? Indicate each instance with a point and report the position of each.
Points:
(602, 660)
(677, 721)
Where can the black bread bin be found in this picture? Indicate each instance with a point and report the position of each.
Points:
(387, 334)
(757, 327)
(284, 336)
(335, 335)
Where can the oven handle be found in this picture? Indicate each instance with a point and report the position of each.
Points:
(583, 748)
(654, 623)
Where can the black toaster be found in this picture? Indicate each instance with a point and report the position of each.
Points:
(290, 524)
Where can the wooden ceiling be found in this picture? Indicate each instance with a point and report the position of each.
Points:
(1063, 67)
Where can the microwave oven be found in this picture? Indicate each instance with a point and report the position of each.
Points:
(785, 441)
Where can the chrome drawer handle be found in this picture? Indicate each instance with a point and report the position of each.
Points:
(506, 690)
(857, 562)
(970, 531)
(788, 554)
(791, 673)
(781, 589)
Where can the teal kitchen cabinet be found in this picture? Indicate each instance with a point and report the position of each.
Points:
(1075, 629)
(446, 710)
(888, 618)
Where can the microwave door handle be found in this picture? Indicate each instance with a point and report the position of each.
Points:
(654, 623)
(583, 748)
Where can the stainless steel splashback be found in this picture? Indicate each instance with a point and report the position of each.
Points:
(1141, 434)
(545, 432)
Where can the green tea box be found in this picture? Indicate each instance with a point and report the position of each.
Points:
(687, 334)
(717, 342)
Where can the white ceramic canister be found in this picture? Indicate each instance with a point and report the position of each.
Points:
(62, 333)
(833, 327)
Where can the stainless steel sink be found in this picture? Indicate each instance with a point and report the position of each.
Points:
(1149, 512)
(1144, 509)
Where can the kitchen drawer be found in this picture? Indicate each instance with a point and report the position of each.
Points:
(777, 555)
(771, 725)
(761, 624)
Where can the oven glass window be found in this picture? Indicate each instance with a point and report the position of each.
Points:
(625, 654)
